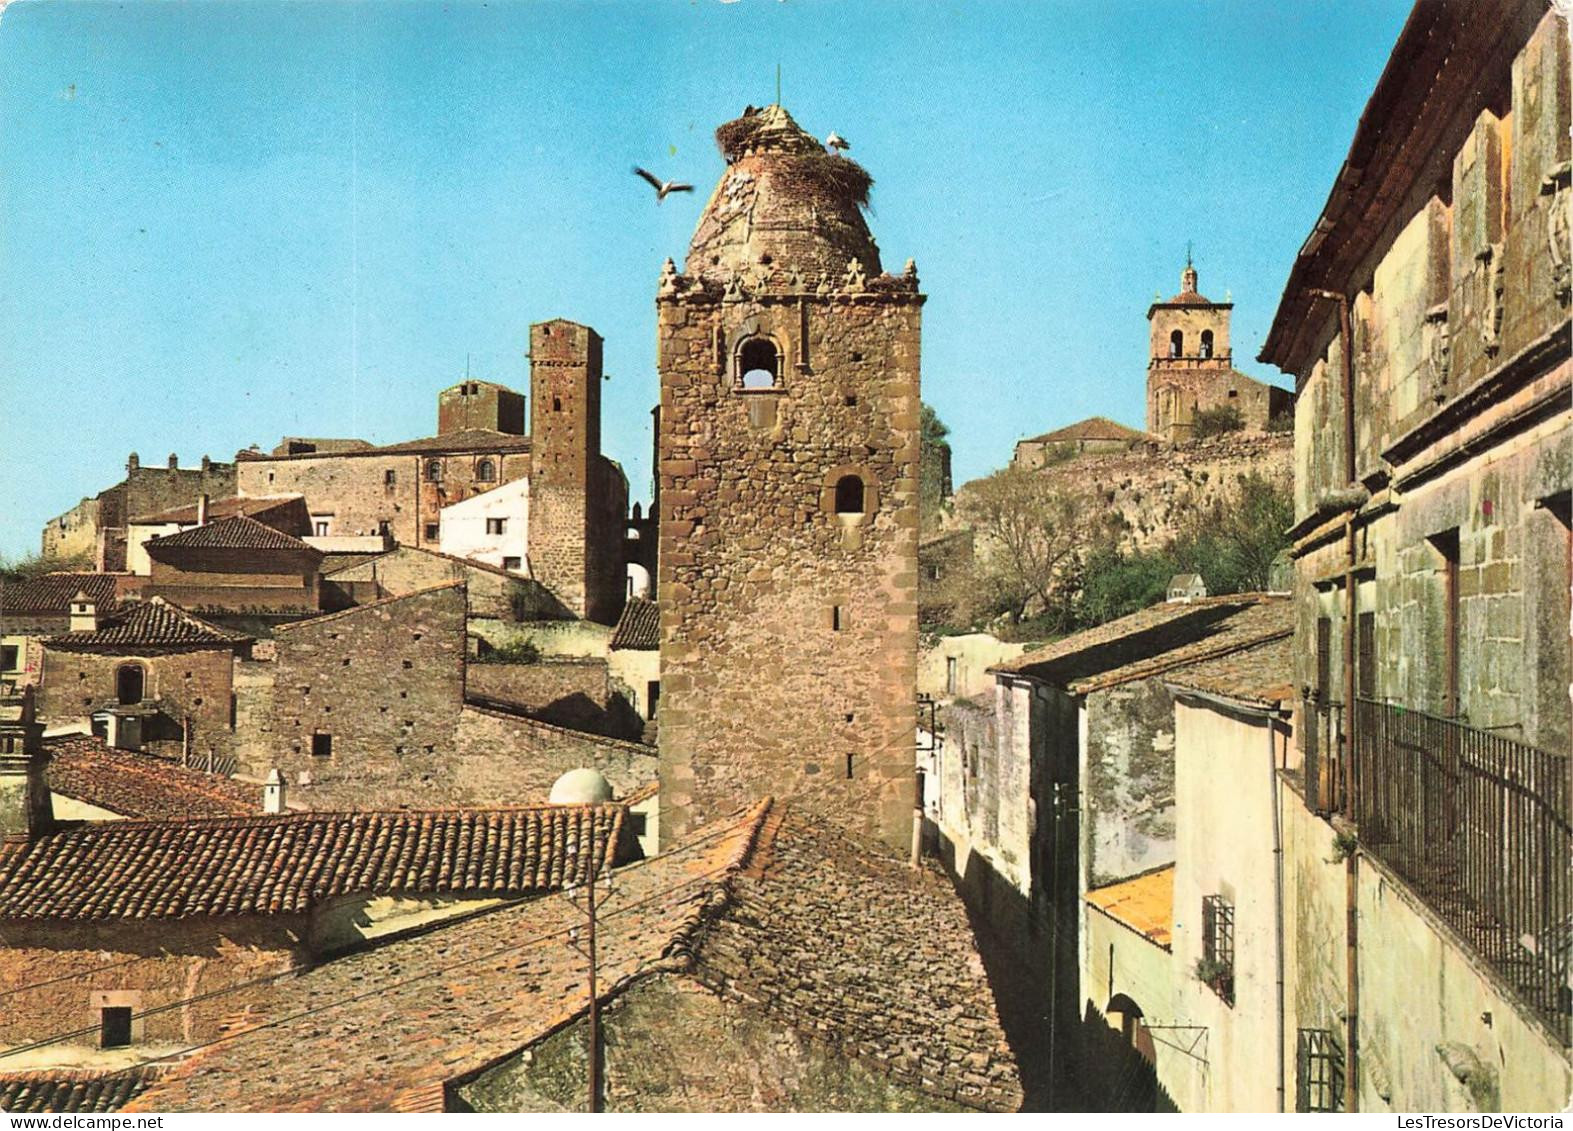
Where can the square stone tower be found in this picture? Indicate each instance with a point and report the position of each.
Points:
(480, 404)
(1188, 358)
(787, 437)
(565, 452)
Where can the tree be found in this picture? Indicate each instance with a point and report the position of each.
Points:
(933, 468)
(1031, 532)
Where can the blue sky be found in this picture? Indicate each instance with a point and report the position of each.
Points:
(225, 222)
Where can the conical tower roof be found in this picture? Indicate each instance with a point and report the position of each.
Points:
(784, 203)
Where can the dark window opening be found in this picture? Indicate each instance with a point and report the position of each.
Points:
(511, 562)
(496, 525)
(759, 364)
(931, 571)
(390, 477)
(849, 767)
(130, 683)
(114, 1027)
(321, 529)
(1319, 1071)
(431, 531)
(557, 404)
(1324, 659)
(849, 495)
(408, 664)
(1177, 344)
(322, 746)
(1216, 967)
(486, 471)
(434, 471)
(851, 400)
(1365, 642)
(1207, 348)
(856, 356)
(652, 693)
(1446, 545)
(9, 657)
(837, 622)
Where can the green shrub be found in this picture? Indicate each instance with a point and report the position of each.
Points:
(1216, 421)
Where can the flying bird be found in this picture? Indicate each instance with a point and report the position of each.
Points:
(837, 142)
(662, 187)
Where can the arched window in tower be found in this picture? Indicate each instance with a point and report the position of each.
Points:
(1177, 344)
(485, 471)
(849, 495)
(1207, 343)
(434, 471)
(759, 364)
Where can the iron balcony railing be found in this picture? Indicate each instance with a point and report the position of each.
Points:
(1479, 826)
(1323, 760)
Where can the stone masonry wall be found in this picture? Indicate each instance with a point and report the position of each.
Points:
(356, 490)
(385, 681)
(195, 685)
(789, 632)
(73, 969)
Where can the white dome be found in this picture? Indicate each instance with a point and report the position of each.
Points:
(580, 787)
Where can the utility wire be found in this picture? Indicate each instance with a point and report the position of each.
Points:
(277, 976)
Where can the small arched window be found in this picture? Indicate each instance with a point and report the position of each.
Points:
(759, 364)
(1207, 343)
(849, 495)
(130, 683)
(485, 471)
(1177, 344)
(434, 471)
(557, 404)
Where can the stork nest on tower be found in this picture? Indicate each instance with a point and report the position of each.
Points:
(801, 158)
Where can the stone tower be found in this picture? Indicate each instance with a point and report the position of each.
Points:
(565, 449)
(788, 437)
(480, 404)
(1188, 357)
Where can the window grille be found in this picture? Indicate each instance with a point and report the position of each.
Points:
(1319, 1071)
(1217, 965)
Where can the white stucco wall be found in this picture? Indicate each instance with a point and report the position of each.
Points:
(974, 654)
(1226, 784)
(463, 525)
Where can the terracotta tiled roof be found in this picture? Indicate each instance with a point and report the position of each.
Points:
(82, 767)
(639, 628)
(1143, 903)
(823, 934)
(382, 1027)
(1093, 428)
(221, 508)
(1262, 676)
(842, 942)
(1156, 640)
(149, 624)
(52, 592)
(73, 1090)
(285, 864)
(241, 532)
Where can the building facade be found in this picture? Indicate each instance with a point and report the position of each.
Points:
(788, 495)
(1426, 323)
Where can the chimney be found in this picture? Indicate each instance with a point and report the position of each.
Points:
(202, 509)
(174, 461)
(84, 613)
(25, 809)
(273, 793)
(132, 462)
(207, 465)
